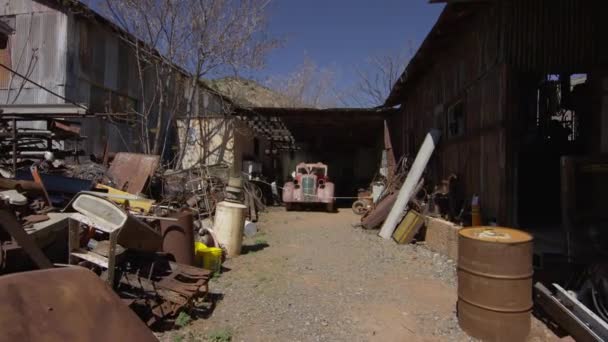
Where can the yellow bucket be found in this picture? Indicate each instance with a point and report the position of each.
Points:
(208, 257)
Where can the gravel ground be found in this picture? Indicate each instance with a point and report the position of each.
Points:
(311, 276)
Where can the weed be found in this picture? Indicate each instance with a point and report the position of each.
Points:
(221, 335)
(261, 242)
(178, 338)
(183, 319)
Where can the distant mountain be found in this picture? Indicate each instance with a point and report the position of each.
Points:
(248, 93)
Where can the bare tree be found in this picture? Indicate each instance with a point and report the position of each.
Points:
(179, 42)
(377, 78)
(307, 86)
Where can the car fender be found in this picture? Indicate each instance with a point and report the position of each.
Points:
(326, 195)
(288, 190)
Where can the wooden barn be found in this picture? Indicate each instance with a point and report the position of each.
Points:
(514, 86)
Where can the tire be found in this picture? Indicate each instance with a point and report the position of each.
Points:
(359, 207)
(288, 206)
(330, 207)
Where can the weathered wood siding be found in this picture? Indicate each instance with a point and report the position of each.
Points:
(37, 49)
(468, 70)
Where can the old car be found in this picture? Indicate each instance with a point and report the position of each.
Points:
(310, 186)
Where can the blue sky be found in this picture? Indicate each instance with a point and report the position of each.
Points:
(341, 34)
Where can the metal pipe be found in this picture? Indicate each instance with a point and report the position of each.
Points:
(413, 177)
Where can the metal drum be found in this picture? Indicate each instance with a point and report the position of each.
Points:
(495, 283)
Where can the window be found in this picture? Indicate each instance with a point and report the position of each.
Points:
(456, 122)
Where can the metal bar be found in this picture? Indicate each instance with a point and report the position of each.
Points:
(38, 180)
(9, 222)
(42, 109)
(14, 146)
(594, 322)
(580, 330)
(151, 217)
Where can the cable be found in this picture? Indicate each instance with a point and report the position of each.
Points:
(44, 88)
(599, 308)
(281, 188)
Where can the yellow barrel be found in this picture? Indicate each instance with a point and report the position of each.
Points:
(209, 258)
(199, 248)
(212, 259)
(495, 283)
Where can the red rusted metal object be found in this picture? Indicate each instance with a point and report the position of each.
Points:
(131, 171)
(38, 180)
(161, 288)
(178, 237)
(65, 304)
(376, 216)
(495, 283)
(63, 127)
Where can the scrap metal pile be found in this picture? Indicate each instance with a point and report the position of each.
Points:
(125, 218)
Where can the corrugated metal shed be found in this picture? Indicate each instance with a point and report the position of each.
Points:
(39, 32)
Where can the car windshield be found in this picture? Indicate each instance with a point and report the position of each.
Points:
(312, 170)
(318, 171)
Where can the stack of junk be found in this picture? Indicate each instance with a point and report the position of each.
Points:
(155, 237)
(494, 264)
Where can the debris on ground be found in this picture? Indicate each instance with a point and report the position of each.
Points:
(135, 230)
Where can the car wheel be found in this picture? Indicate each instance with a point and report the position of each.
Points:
(359, 207)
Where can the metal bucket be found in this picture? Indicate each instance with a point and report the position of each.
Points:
(495, 283)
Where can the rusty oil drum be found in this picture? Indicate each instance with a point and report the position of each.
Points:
(495, 283)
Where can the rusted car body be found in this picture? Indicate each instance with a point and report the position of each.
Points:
(310, 186)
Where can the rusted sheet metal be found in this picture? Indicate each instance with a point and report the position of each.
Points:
(63, 127)
(375, 217)
(65, 304)
(131, 171)
(391, 162)
(178, 237)
(495, 283)
(138, 235)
